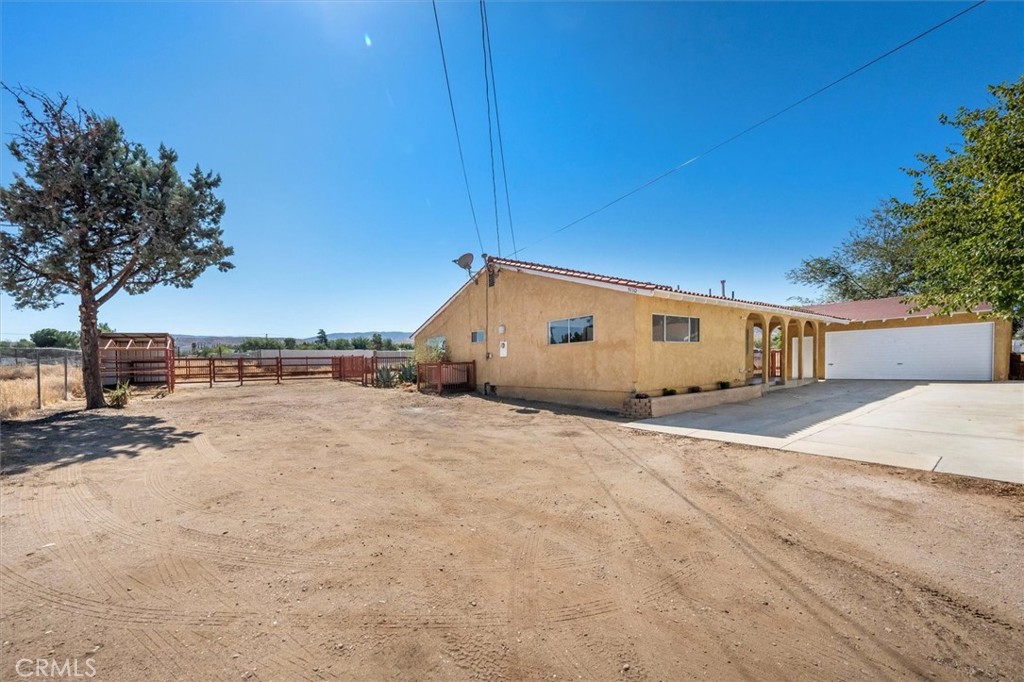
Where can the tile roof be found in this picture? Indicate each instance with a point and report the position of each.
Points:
(879, 309)
(637, 284)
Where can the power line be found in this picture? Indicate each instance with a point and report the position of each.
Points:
(490, 134)
(757, 125)
(455, 123)
(497, 120)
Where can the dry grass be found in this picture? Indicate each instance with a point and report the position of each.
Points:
(18, 387)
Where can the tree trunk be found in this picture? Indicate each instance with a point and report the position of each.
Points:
(91, 376)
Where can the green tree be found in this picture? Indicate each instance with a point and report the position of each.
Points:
(321, 338)
(256, 343)
(342, 344)
(967, 219)
(405, 345)
(875, 261)
(376, 342)
(289, 343)
(51, 338)
(94, 214)
(361, 342)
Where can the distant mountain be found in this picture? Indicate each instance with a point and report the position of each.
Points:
(186, 340)
(397, 337)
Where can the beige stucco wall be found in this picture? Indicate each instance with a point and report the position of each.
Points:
(595, 374)
(718, 356)
(1002, 336)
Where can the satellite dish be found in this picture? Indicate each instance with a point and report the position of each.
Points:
(465, 261)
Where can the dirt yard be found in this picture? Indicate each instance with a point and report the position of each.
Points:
(320, 531)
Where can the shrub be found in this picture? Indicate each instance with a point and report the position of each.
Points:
(641, 396)
(668, 391)
(694, 389)
(118, 397)
(386, 377)
(407, 373)
(724, 385)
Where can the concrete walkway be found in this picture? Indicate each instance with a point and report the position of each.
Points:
(973, 429)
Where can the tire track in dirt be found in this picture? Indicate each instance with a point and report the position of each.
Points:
(894, 663)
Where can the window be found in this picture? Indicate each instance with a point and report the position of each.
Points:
(438, 344)
(477, 336)
(675, 329)
(572, 330)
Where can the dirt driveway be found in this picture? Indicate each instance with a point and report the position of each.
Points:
(320, 531)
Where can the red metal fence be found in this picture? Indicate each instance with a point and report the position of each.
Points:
(443, 377)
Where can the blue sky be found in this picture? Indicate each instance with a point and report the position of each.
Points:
(330, 126)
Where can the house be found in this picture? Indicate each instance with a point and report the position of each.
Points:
(886, 339)
(548, 333)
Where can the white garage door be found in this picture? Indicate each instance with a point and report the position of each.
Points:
(952, 352)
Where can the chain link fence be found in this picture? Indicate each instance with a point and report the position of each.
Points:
(31, 378)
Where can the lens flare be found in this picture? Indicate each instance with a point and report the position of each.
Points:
(366, 40)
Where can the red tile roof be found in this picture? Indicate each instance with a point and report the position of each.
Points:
(636, 284)
(879, 309)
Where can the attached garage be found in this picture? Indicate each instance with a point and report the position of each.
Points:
(884, 340)
(951, 352)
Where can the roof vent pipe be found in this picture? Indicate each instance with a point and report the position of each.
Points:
(723, 288)
(733, 294)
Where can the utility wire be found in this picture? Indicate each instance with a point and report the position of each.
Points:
(757, 125)
(490, 134)
(455, 123)
(497, 121)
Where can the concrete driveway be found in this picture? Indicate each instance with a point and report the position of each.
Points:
(974, 429)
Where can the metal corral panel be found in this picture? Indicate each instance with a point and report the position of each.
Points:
(950, 352)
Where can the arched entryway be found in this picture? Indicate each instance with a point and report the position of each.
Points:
(775, 351)
(755, 345)
(793, 349)
(809, 346)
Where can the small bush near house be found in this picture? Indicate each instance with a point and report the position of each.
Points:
(407, 373)
(118, 397)
(724, 385)
(386, 377)
(668, 391)
(694, 389)
(641, 396)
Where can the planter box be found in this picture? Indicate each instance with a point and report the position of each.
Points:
(685, 402)
(637, 408)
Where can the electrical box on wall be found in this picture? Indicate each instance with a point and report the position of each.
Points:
(503, 349)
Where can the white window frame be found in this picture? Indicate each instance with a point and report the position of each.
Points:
(664, 328)
(568, 324)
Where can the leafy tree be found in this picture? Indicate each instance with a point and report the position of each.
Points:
(404, 346)
(361, 342)
(20, 343)
(342, 344)
(289, 343)
(321, 338)
(968, 213)
(51, 338)
(388, 345)
(104, 328)
(376, 342)
(875, 261)
(257, 343)
(94, 214)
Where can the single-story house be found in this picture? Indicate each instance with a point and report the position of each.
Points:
(885, 340)
(548, 333)
(541, 332)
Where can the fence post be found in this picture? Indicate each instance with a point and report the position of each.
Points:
(66, 395)
(440, 380)
(279, 369)
(39, 383)
(241, 378)
(212, 372)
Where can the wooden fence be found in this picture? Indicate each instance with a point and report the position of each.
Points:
(359, 368)
(444, 377)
